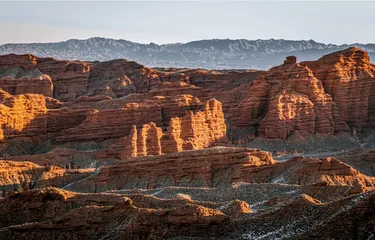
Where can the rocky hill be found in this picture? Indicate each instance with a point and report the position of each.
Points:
(210, 54)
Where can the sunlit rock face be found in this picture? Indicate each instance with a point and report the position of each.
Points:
(22, 116)
(349, 77)
(326, 96)
(286, 99)
(194, 130)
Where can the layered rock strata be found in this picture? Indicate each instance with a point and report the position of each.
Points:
(24, 176)
(18, 81)
(71, 79)
(193, 130)
(22, 116)
(101, 215)
(324, 97)
(288, 99)
(208, 167)
(349, 77)
(223, 166)
(311, 171)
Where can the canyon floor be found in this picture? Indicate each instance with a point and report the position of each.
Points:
(116, 150)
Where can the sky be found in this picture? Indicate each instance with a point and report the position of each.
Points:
(182, 21)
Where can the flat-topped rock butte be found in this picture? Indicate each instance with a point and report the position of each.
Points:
(117, 150)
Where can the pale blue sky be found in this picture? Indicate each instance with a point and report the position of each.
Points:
(167, 21)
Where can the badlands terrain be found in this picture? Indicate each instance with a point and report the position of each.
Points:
(117, 150)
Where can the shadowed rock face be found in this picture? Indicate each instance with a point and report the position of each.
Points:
(312, 171)
(120, 78)
(290, 60)
(107, 216)
(17, 81)
(71, 79)
(361, 159)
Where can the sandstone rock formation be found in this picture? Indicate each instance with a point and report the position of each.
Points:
(237, 208)
(192, 131)
(52, 213)
(208, 167)
(223, 166)
(179, 122)
(71, 79)
(361, 159)
(327, 96)
(114, 118)
(18, 81)
(120, 78)
(23, 176)
(290, 60)
(311, 171)
(100, 216)
(349, 77)
(288, 99)
(22, 116)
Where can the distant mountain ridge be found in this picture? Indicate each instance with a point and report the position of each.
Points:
(210, 54)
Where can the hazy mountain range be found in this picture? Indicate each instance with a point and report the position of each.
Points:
(211, 54)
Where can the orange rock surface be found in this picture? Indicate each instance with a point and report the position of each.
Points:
(195, 130)
(87, 216)
(286, 99)
(22, 116)
(23, 176)
(207, 167)
(18, 81)
(348, 76)
(311, 171)
(71, 79)
(237, 208)
(120, 78)
(100, 216)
